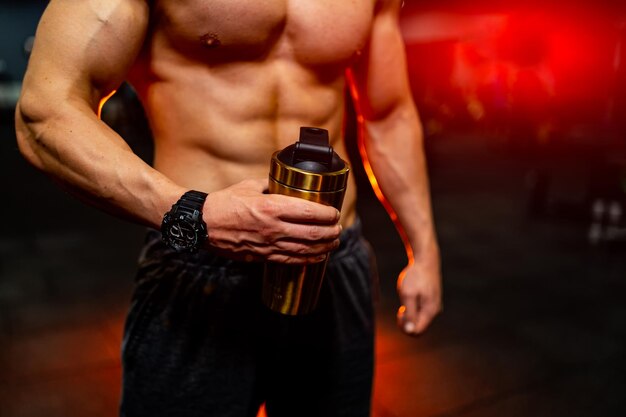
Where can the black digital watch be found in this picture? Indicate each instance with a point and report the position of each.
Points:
(183, 228)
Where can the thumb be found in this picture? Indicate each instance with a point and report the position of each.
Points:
(408, 314)
(255, 184)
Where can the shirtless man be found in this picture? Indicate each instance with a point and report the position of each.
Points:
(224, 84)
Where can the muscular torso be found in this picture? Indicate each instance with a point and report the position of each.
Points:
(225, 83)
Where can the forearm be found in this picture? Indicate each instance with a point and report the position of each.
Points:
(393, 147)
(68, 142)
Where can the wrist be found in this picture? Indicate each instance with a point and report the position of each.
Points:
(164, 196)
(207, 208)
(183, 228)
(423, 248)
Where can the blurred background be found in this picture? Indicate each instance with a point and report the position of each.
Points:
(524, 110)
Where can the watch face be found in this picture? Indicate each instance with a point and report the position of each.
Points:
(182, 235)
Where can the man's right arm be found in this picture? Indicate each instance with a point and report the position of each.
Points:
(82, 52)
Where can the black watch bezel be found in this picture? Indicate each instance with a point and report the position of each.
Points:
(182, 228)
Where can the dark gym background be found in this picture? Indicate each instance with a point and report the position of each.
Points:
(523, 105)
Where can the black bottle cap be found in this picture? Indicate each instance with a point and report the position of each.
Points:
(312, 152)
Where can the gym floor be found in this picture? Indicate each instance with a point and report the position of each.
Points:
(534, 321)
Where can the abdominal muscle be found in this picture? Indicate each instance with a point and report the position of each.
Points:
(216, 126)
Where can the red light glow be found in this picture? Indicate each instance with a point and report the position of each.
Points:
(561, 65)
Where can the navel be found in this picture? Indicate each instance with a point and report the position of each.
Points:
(210, 40)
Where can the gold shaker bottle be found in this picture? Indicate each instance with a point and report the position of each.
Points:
(308, 169)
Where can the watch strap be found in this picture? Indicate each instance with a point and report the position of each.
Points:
(187, 209)
(193, 200)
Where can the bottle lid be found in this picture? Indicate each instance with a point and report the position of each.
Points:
(310, 163)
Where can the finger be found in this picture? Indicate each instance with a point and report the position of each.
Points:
(298, 248)
(297, 210)
(311, 233)
(277, 257)
(424, 319)
(400, 316)
(296, 260)
(408, 314)
(283, 258)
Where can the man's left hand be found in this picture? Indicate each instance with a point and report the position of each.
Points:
(419, 289)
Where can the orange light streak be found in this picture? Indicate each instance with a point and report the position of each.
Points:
(367, 166)
(262, 412)
(103, 102)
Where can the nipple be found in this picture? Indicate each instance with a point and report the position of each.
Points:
(210, 40)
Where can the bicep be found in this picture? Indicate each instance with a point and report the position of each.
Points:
(83, 49)
(379, 78)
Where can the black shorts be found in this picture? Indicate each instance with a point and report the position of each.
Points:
(198, 341)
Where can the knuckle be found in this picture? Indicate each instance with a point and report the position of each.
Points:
(315, 233)
(266, 233)
(302, 249)
(308, 213)
(267, 206)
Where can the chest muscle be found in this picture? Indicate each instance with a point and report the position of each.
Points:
(311, 32)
